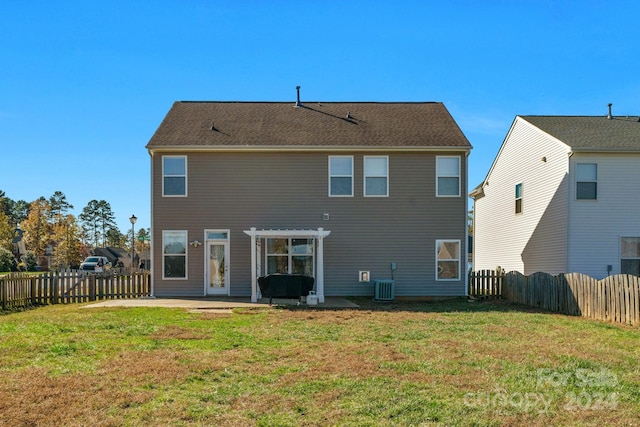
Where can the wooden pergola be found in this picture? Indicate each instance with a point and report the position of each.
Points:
(256, 270)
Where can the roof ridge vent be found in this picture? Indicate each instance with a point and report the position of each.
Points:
(609, 116)
(298, 103)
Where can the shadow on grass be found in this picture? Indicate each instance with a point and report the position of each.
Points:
(449, 305)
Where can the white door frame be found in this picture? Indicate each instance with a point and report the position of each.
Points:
(226, 290)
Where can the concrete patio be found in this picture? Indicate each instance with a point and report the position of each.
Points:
(217, 303)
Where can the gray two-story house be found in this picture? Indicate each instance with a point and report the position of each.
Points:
(346, 192)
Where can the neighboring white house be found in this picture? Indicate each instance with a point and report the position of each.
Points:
(562, 195)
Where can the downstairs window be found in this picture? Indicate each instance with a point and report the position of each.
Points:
(174, 254)
(447, 259)
(630, 255)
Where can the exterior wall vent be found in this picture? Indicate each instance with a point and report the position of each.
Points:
(298, 103)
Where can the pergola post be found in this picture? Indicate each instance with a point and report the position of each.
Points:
(320, 267)
(254, 293)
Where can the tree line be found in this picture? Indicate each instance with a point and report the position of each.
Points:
(51, 233)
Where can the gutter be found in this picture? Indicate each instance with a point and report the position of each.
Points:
(297, 148)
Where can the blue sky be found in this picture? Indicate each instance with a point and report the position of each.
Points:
(84, 84)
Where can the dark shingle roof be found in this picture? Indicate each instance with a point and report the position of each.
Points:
(591, 133)
(313, 125)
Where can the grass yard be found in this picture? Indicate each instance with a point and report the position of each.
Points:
(432, 363)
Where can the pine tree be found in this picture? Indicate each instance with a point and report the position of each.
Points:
(59, 205)
(97, 218)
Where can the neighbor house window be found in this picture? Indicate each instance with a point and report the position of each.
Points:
(448, 176)
(586, 181)
(341, 176)
(290, 256)
(630, 255)
(174, 254)
(447, 259)
(376, 176)
(519, 198)
(174, 175)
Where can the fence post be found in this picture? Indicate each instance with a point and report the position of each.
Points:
(92, 289)
(33, 290)
(3, 292)
(53, 288)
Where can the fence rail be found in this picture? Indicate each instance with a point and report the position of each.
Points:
(614, 298)
(18, 290)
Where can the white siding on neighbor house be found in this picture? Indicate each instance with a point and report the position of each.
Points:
(534, 240)
(595, 226)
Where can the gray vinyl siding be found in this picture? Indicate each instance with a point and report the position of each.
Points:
(289, 190)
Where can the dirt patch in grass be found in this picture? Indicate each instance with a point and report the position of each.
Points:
(173, 332)
(103, 398)
(137, 368)
(34, 398)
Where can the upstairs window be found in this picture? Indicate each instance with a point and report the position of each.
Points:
(174, 176)
(341, 176)
(376, 176)
(586, 181)
(448, 176)
(519, 198)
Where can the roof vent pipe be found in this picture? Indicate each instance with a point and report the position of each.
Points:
(298, 104)
(609, 116)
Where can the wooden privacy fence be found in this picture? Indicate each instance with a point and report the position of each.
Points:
(61, 287)
(485, 283)
(614, 298)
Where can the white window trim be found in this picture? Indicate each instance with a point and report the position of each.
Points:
(186, 181)
(186, 255)
(365, 176)
(341, 176)
(521, 198)
(457, 279)
(448, 176)
(622, 258)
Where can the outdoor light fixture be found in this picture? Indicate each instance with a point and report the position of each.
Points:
(133, 220)
(195, 243)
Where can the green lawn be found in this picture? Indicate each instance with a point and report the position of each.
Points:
(444, 363)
